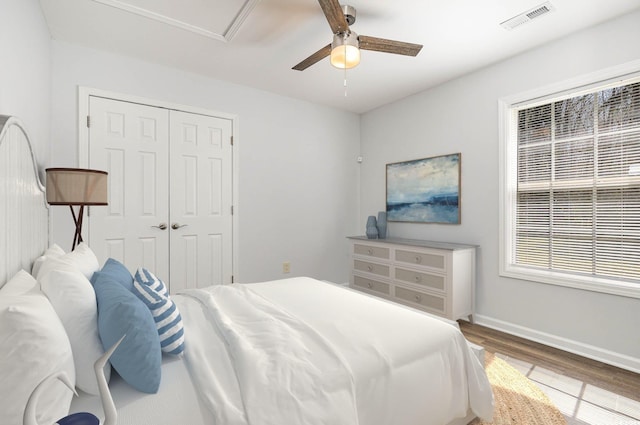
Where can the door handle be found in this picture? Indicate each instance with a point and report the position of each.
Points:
(161, 226)
(176, 226)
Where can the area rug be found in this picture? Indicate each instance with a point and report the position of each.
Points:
(517, 400)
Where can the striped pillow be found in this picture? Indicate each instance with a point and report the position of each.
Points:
(166, 316)
(145, 277)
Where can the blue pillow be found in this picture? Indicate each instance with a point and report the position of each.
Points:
(138, 359)
(116, 271)
(145, 277)
(166, 315)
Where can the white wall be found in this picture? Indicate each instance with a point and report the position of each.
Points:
(462, 116)
(298, 172)
(25, 71)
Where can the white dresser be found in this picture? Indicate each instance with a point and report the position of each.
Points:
(436, 277)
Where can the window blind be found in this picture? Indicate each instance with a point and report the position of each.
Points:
(578, 185)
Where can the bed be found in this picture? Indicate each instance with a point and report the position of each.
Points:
(291, 351)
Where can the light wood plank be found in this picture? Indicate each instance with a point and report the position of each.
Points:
(601, 375)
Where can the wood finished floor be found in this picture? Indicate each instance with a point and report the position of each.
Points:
(585, 390)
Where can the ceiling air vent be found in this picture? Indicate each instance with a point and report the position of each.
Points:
(528, 16)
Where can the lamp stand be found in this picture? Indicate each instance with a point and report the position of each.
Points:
(77, 238)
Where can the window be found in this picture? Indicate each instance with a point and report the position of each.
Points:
(571, 189)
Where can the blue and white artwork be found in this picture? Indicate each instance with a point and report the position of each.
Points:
(424, 190)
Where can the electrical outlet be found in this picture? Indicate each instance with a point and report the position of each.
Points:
(286, 267)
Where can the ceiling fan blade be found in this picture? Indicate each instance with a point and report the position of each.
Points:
(317, 56)
(335, 15)
(389, 46)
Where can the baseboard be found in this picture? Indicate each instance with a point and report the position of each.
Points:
(585, 350)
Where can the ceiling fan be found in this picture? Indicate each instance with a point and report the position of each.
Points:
(345, 49)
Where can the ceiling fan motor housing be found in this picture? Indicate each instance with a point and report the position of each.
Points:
(349, 14)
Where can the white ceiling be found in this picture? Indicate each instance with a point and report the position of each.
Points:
(271, 36)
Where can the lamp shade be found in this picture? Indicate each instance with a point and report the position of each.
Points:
(345, 50)
(76, 186)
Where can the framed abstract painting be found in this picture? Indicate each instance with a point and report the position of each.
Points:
(424, 190)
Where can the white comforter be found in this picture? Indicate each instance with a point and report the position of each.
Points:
(299, 351)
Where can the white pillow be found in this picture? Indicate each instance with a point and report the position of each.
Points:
(82, 258)
(19, 284)
(54, 251)
(74, 300)
(34, 345)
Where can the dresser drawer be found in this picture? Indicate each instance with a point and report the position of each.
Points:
(371, 251)
(428, 280)
(365, 266)
(371, 285)
(429, 301)
(436, 261)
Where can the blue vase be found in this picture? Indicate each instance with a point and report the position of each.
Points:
(372, 228)
(382, 224)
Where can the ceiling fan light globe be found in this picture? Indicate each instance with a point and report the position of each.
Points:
(345, 50)
(345, 57)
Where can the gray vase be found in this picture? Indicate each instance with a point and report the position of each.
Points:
(382, 224)
(372, 228)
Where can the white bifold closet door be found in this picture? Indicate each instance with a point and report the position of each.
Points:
(170, 191)
(200, 199)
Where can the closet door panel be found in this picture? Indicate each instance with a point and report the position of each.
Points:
(201, 199)
(130, 141)
(185, 254)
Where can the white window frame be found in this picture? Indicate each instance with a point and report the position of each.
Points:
(507, 114)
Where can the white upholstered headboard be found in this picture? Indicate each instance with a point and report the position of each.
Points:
(24, 213)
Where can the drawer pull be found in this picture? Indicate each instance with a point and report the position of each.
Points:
(370, 285)
(370, 251)
(418, 297)
(418, 259)
(418, 278)
(370, 268)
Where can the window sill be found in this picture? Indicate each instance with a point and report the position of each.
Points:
(586, 283)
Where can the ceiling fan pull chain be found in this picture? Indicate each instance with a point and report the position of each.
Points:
(345, 70)
(345, 84)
